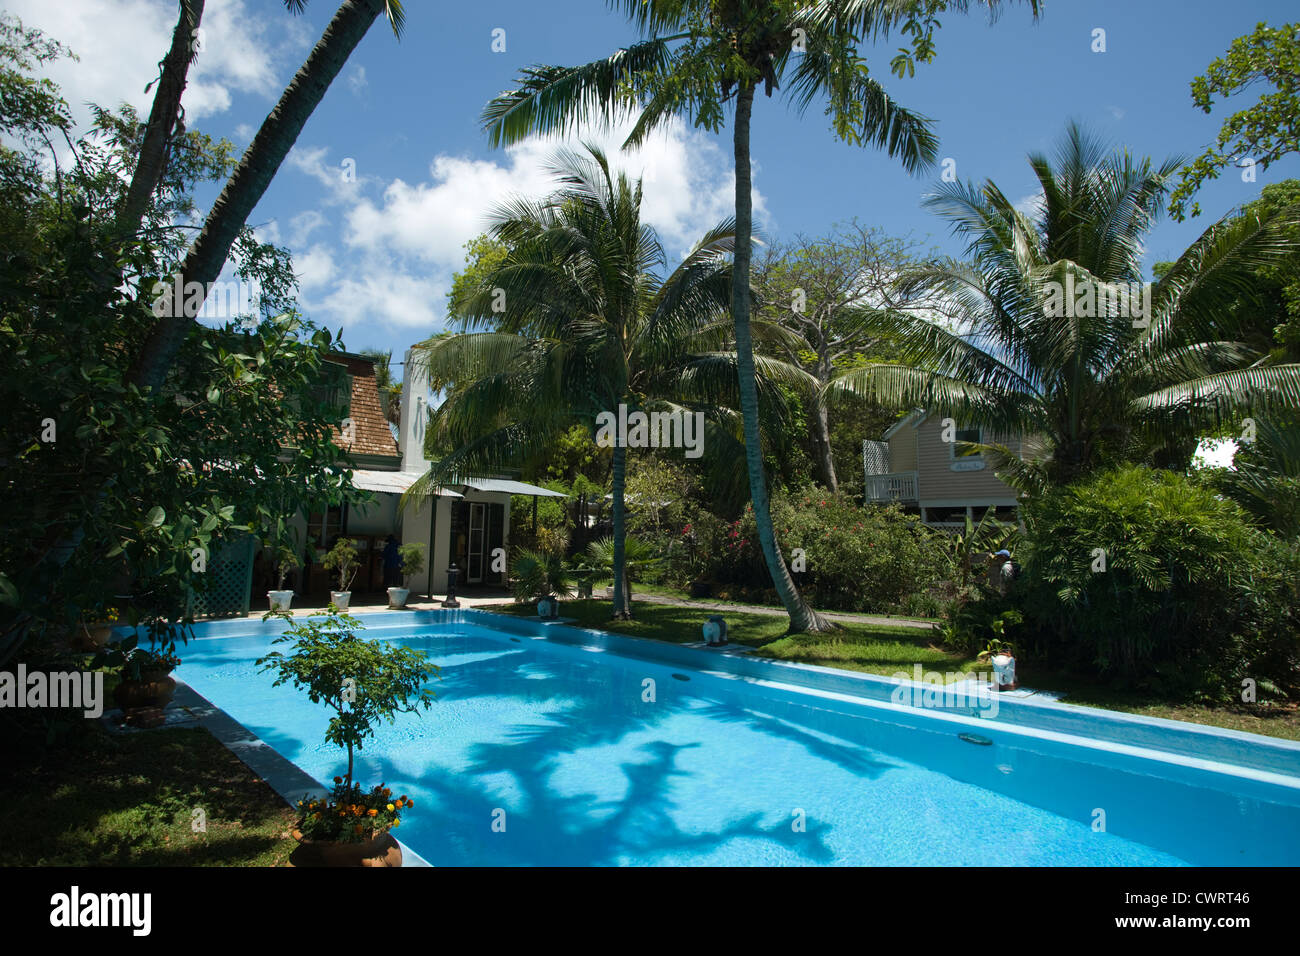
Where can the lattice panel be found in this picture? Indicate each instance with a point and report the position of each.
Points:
(875, 458)
(230, 580)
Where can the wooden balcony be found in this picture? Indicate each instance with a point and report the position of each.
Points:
(897, 486)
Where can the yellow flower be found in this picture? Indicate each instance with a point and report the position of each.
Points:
(390, 806)
(396, 822)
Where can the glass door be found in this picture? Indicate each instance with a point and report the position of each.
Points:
(477, 531)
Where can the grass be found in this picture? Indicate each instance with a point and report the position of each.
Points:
(873, 648)
(884, 649)
(680, 595)
(104, 799)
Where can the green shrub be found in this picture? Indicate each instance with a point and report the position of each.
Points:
(854, 558)
(1150, 577)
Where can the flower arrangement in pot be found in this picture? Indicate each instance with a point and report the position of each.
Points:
(342, 559)
(412, 563)
(362, 682)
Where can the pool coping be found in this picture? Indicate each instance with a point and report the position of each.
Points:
(281, 774)
(1238, 753)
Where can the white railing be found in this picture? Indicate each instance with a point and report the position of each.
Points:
(898, 486)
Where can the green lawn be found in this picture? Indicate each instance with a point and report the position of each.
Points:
(128, 800)
(887, 649)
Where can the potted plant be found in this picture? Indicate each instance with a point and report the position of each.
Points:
(541, 576)
(412, 556)
(362, 682)
(1001, 654)
(342, 558)
(94, 628)
(144, 675)
(285, 561)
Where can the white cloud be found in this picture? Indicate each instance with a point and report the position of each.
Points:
(357, 80)
(401, 242)
(119, 43)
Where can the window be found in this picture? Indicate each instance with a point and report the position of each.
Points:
(965, 458)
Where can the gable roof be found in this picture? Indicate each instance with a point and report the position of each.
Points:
(914, 418)
(372, 436)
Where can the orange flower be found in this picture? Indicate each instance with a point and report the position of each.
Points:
(373, 813)
(338, 779)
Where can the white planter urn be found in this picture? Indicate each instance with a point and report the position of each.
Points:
(279, 600)
(397, 597)
(340, 599)
(548, 608)
(1004, 671)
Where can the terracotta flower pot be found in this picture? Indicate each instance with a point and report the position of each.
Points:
(154, 688)
(380, 850)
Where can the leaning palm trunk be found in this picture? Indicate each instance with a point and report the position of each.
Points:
(245, 187)
(622, 602)
(802, 617)
(162, 118)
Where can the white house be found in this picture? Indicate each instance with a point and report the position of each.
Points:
(468, 524)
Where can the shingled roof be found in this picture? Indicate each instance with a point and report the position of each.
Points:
(374, 439)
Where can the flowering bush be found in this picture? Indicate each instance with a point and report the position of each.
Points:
(350, 814)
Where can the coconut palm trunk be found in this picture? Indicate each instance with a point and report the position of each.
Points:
(247, 184)
(162, 119)
(622, 603)
(802, 617)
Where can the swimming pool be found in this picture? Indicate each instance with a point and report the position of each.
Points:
(550, 745)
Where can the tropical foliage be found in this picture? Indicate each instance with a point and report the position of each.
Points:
(1059, 345)
(577, 322)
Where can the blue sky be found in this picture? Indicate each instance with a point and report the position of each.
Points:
(376, 254)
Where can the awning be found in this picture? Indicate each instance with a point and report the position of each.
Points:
(393, 482)
(504, 486)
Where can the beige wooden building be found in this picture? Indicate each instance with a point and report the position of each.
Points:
(920, 465)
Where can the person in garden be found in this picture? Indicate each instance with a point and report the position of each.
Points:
(1002, 570)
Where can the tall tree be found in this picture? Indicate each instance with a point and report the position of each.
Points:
(1260, 134)
(579, 323)
(824, 290)
(700, 55)
(1065, 346)
(250, 179)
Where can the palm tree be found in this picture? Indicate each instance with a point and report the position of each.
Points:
(698, 55)
(1058, 349)
(587, 326)
(244, 189)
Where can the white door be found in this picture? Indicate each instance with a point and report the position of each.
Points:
(477, 533)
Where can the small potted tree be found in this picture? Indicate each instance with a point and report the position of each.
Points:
(285, 561)
(541, 576)
(342, 558)
(412, 558)
(362, 682)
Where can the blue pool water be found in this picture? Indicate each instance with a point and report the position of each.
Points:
(558, 743)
